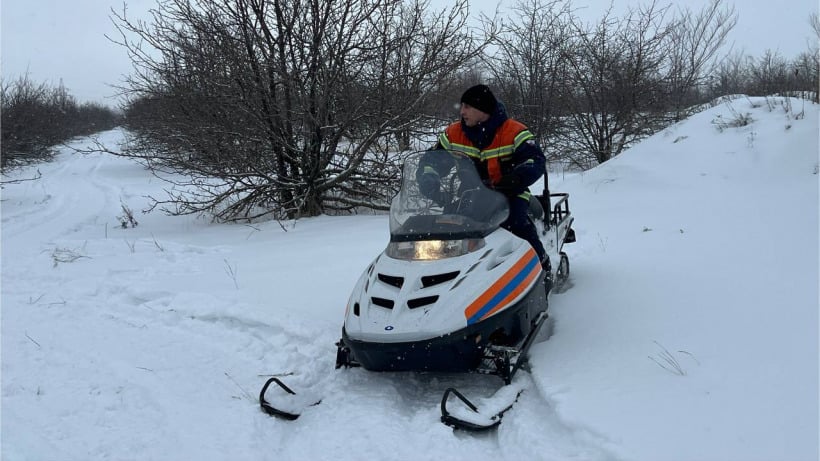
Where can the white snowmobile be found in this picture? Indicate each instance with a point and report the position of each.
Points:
(453, 291)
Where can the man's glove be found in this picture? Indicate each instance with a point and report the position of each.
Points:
(429, 185)
(508, 183)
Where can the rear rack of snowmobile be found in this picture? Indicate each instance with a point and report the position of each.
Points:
(560, 216)
(560, 209)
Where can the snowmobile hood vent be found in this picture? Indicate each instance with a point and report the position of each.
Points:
(381, 302)
(431, 280)
(392, 280)
(420, 302)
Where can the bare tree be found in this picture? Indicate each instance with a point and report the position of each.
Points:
(809, 62)
(23, 108)
(730, 77)
(36, 117)
(529, 65)
(615, 84)
(692, 52)
(770, 74)
(275, 108)
(807, 75)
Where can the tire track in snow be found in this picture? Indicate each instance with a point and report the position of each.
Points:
(192, 376)
(88, 199)
(403, 410)
(560, 440)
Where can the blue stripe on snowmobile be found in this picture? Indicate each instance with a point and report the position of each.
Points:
(512, 285)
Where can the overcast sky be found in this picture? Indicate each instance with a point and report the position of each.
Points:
(56, 40)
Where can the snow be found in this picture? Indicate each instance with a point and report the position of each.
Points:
(690, 330)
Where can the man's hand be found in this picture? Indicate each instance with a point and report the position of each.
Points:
(429, 185)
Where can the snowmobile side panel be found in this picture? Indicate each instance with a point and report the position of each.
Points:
(508, 287)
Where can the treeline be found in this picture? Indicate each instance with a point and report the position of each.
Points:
(592, 90)
(36, 117)
(288, 109)
(769, 74)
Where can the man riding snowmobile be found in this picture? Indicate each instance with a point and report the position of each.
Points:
(504, 152)
(458, 287)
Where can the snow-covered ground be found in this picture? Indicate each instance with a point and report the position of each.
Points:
(690, 331)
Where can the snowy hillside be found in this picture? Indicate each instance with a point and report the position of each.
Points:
(690, 331)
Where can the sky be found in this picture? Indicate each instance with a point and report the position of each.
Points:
(57, 40)
(689, 329)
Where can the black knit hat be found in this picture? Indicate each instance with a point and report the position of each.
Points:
(481, 98)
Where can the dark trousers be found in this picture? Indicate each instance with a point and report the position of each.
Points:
(519, 223)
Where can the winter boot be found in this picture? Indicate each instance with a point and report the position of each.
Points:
(545, 264)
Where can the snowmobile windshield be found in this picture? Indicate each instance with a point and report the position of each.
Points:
(443, 198)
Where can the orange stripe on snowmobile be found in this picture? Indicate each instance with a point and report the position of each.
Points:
(514, 282)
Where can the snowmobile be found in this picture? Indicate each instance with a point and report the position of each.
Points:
(453, 291)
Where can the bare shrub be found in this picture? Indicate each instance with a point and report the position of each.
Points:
(274, 109)
(36, 117)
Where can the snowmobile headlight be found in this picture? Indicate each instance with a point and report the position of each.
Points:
(433, 249)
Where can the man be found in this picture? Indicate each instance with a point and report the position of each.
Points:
(505, 154)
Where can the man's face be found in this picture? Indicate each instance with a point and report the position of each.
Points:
(472, 116)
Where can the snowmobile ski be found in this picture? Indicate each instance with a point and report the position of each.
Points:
(473, 420)
(290, 409)
(504, 362)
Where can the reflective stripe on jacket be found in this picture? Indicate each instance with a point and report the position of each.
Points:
(509, 136)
